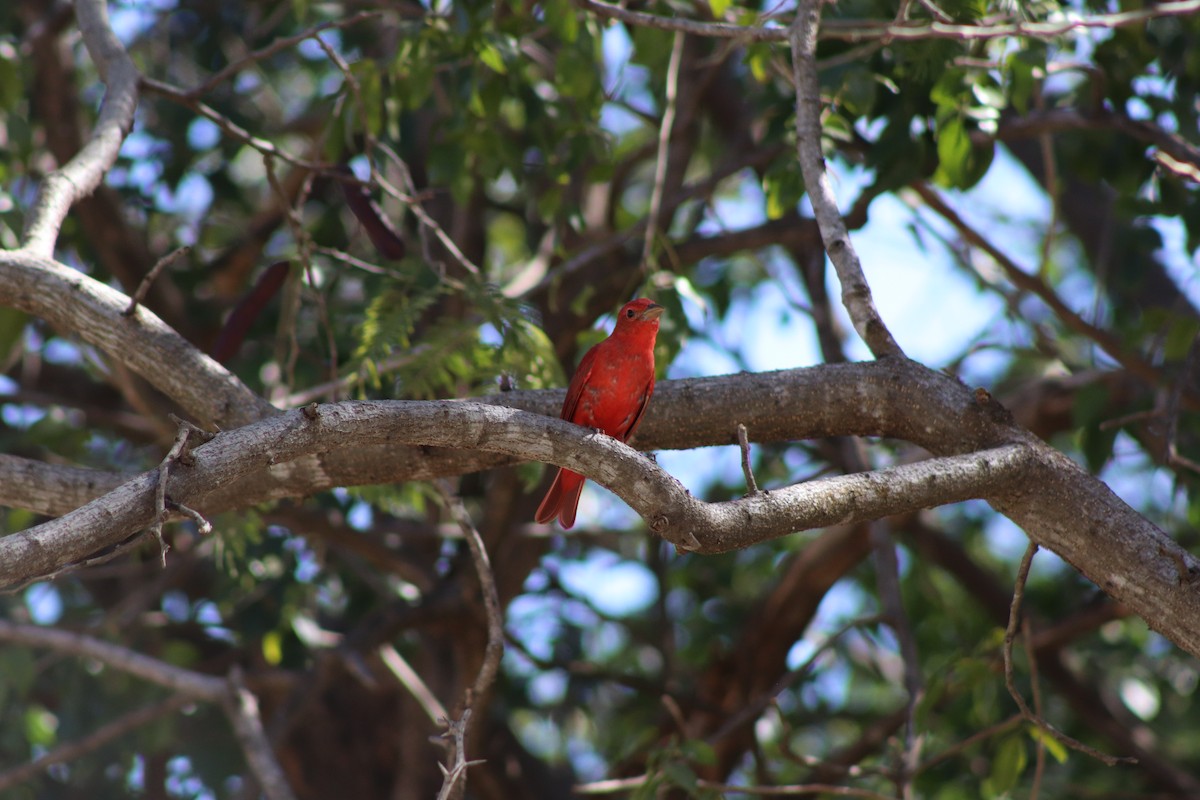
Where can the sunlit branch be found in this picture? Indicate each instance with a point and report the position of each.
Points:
(868, 30)
(856, 292)
(77, 178)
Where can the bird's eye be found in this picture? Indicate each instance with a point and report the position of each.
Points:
(629, 313)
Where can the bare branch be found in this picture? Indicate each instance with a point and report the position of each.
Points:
(456, 777)
(744, 446)
(664, 146)
(1010, 636)
(615, 785)
(1024, 281)
(241, 706)
(230, 694)
(274, 47)
(82, 174)
(1051, 497)
(412, 681)
(193, 684)
(856, 293)
(849, 30)
(148, 281)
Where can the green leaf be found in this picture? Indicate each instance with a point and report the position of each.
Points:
(960, 163)
(41, 726)
(1052, 745)
(490, 55)
(784, 186)
(678, 773)
(700, 752)
(1021, 82)
(954, 152)
(370, 87)
(859, 89)
(758, 58)
(12, 327)
(1007, 765)
(563, 19)
(719, 7)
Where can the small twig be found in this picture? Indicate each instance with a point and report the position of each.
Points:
(1010, 634)
(162, 507)
(858, 30)
(744, 444)
(152, 275)
(664, 147)
(409, 198)
(614, 785)
(494, 649)
(975, 738)
(279, 44)
(1174, 400)
(412, 681)
(1026, 282)
(672, 707)
(456, 730)
(887, 577)
(938, 14)
(1039, 767)
(232, 129)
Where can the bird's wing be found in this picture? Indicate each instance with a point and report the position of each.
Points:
(641, 411)
(575, 389)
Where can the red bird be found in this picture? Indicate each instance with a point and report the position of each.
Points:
(609, 393)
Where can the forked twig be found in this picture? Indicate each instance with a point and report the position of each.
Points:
(1010, 634)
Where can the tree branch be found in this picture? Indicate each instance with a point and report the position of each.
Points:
(856, 293)
(82, 174)
(849, 30)
(81, 305)
(1052, 498)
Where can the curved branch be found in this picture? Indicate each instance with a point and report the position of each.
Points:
(856, 292)
(82, 174)
(76, 303)
(1059, 505)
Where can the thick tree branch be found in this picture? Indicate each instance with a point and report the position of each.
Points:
(1058, 504)
(673, 513)
(81, 305)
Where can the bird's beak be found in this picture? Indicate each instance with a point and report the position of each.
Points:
(654, 311)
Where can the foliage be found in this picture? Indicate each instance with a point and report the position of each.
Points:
(528, 135)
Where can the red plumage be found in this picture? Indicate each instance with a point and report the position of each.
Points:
(609, 393)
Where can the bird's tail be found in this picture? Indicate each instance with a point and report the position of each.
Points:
(562, 499)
